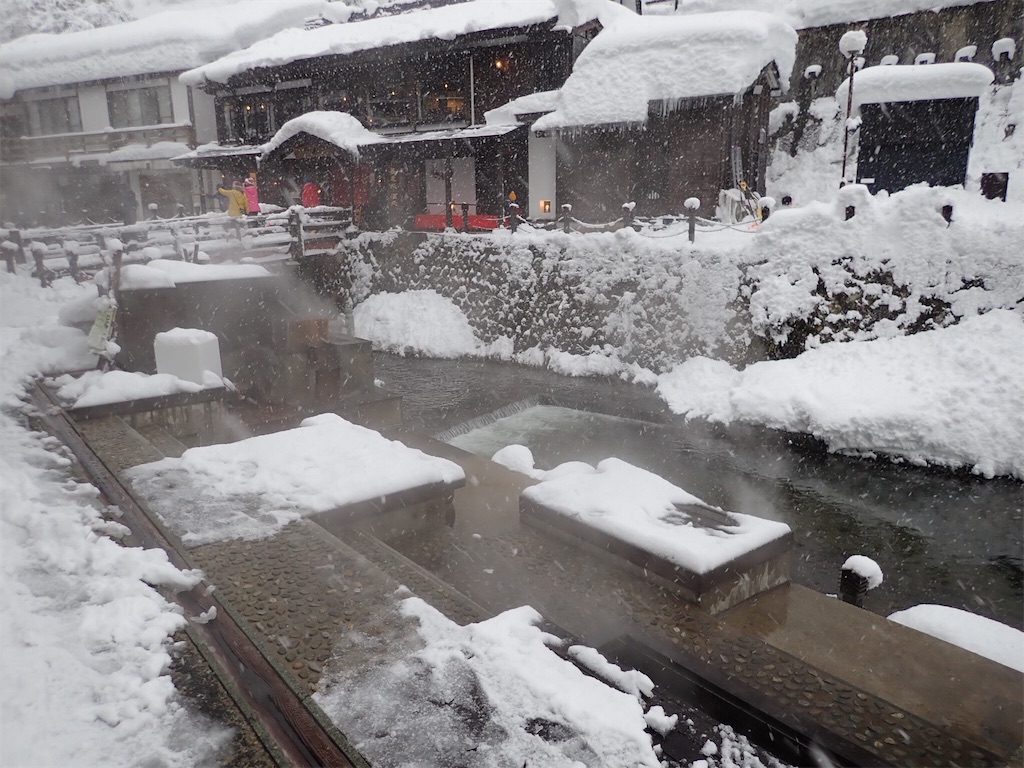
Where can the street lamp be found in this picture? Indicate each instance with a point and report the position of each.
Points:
(851, 45)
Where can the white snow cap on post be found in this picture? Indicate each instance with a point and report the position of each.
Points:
(853, 42)
(691, 203)
(1004, 45)
(866, 568)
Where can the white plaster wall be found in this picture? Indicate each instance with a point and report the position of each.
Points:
(205, 116)
(179, 102)
(92, 102)
(463, 183)
(542, 176)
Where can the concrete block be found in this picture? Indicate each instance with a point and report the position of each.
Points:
(187, 353)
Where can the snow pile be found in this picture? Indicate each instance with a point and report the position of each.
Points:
(881, 85)
(642, 509)
(950, 397)
(444, 23)
(418, 322)
(338, 128)
(84, 636)
(485, 695)
(896, 267)
(253, 488)
(103, 387)
(985, 637)
(998, 148)
(166, 273)
(172, 41)
(810, 13)
(640, 60)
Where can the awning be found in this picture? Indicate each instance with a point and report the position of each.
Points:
(213, 156)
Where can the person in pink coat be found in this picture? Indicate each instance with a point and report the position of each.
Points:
(252, 196)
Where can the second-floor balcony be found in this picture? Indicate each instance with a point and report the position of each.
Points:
(88, 146)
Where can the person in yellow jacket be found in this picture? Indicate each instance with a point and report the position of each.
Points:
(238, 205)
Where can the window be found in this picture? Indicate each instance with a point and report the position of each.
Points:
(140, 106)
(50, 116)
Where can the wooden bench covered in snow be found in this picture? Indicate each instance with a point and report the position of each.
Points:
(704, 554)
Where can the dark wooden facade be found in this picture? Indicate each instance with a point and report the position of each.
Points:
(418, 86)
(906, 143)
(683, 150)
(433, 86)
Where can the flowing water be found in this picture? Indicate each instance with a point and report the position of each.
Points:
(939, 537)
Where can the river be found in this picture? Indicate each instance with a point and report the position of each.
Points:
(940, 537)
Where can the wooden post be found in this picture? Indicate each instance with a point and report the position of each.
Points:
(297, 249)
(15, 237)
(566, 217)
(465, 218)
(513, 216)
(448, 204)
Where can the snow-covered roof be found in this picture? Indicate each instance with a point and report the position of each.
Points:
(444, 23)
(175, 40)
(803, 14)
(909, 82)
(531, 104)
(338, 128)
(642, 59)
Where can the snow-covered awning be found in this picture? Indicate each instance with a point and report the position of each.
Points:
(454, 134)
(444, 23)
(347, 133)
(337, 128)
(531, 104)
(213, 155)
(638, 60)
(883, 85)
(170, 41)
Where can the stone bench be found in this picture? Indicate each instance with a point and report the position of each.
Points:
(640, 521)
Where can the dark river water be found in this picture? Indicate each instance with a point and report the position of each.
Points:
(939, 537)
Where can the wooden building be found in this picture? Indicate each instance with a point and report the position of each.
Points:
(661, 109)
(423, 79)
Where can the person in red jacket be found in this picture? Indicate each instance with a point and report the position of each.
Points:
(310, 194)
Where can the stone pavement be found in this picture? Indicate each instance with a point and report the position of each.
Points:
(876, 692)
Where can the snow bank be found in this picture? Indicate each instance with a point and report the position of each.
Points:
(640, 508)
(338, 128)
(640, 60)
(813, 13)
(103, 387)
(422, 322)
(172, 41)
(84, 635)
(444, 23)
(247, 490)
(985, 637)
(488, 694)
(952, 80)
(950, 397)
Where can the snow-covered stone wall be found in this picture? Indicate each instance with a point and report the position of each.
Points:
(807, 277)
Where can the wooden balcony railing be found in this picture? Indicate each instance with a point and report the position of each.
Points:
(68, 146)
